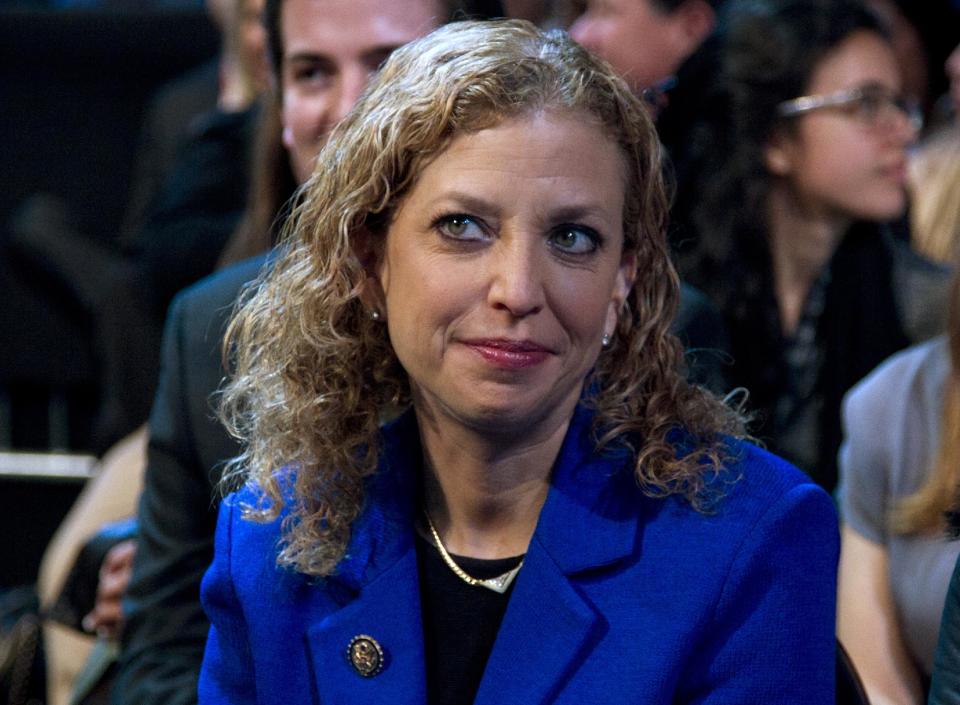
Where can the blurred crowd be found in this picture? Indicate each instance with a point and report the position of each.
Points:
(813, 152)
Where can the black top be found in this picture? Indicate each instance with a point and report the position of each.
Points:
(460, 622)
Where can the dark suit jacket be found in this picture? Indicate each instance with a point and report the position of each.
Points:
(622, 598)
(169, 122)
(945, 686)
(199, 207)
(166, 628)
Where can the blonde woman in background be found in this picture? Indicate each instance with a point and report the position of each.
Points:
(898, 471)
(934, 179)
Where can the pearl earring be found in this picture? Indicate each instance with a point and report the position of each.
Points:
(605, 340)
(375, 315)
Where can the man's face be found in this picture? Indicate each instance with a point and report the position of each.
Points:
(330, 49)
(642, 42)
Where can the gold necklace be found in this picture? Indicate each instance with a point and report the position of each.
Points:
(499, 584)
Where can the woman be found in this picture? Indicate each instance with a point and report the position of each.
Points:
(785, 183)
(899, 474)
(898, 478)
(556, 515)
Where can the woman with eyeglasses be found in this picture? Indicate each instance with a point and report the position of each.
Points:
(785, 191)
(785, 185)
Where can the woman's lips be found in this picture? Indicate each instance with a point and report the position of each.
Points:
(509, 354)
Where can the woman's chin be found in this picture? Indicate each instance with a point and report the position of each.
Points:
(499, 419)
(500, 416)
(882, 209)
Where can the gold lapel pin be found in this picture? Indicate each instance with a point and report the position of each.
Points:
(365, 655)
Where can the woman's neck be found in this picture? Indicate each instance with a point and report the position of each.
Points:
(802, 241)
(484, 495)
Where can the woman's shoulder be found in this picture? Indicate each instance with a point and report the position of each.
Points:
(753, 488)
(779, 502)
(912, 377)
(921, 289)
(762, 509)
(755, 475)
(242, 515)
(891, 422)
(235, 505)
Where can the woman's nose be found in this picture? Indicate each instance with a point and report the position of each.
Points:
(907, 121)
(516, 282)
(899, 121)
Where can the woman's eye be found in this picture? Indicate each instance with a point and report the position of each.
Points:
(460, 227)
(575, 240)
(871, 105)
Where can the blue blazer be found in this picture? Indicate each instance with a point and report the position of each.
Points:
(622, 598)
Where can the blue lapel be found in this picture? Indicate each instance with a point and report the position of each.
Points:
(387, 609)
(588, 521)
(379, 574)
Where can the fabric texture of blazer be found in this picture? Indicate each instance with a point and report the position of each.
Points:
(622, 598)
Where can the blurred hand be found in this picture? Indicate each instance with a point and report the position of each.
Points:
(106, 619)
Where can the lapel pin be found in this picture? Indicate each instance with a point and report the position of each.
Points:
(365, 655)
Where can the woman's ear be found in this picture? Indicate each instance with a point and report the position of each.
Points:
(626, 276)
(367, 248)
(778, 154)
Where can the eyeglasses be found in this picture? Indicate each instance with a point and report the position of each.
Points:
(873, 105)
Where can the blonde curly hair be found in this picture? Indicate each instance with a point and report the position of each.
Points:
(313, 375)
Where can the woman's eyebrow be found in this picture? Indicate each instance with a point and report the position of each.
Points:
(467, 201)
(478, 205)
(580, 212)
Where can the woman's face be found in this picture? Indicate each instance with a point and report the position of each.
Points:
(836, 163)
(503, 268)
